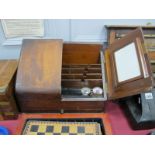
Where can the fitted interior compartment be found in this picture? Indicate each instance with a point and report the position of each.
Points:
(82, 66)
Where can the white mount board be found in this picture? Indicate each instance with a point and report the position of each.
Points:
(127, 64)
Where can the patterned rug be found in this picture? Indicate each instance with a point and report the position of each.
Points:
(36, 127)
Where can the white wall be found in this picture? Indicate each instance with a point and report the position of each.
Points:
(71, 30)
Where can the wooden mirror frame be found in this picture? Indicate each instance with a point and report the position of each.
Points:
(141, 62)
(134, 85)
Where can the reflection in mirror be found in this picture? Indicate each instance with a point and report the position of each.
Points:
(127, 64)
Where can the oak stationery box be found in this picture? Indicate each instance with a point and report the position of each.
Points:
(79, 77)
(8, 108)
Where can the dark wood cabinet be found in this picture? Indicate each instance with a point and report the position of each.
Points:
(118, 31)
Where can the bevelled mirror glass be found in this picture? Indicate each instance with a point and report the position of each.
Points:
(127, 64)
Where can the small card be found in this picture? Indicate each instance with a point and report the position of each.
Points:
(148, 96)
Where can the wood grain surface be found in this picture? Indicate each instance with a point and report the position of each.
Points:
(8, 106)
(39, 68)
(7, 70)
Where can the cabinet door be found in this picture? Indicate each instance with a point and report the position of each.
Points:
(128, 68)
